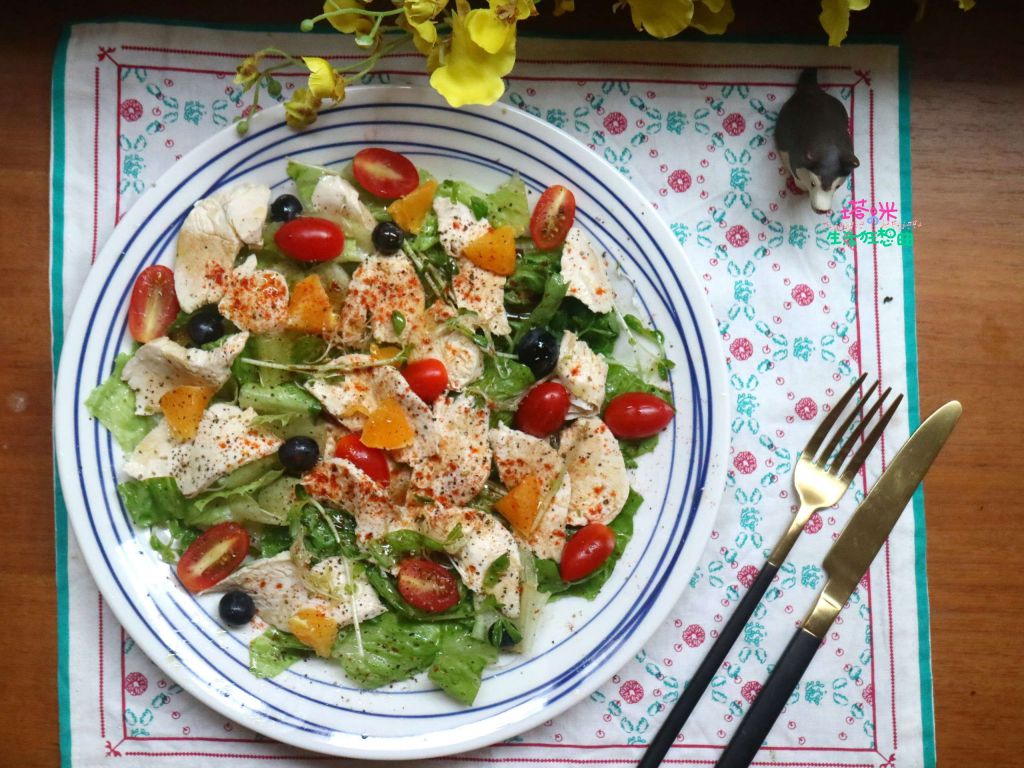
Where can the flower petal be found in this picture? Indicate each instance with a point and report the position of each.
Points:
(469, 74)
(487, 30)
(322, 78)
(661, 18)
(347, 22)
(712, 16)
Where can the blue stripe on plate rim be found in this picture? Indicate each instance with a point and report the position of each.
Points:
(701, 436)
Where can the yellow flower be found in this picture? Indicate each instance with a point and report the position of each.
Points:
(712, 16)
(488, 30)
(835, 17)
(418, 20)
(470, 74)
(248, 72)
(564, 6)
(322, 77)
(300, 109)
(347, 22)
(660, 18)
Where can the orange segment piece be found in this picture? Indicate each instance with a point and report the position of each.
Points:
(519, 506)
(495, 251)
(382, 352)
(410, 211)
(388, 427)
(183, 408)
(312, 628)
(309, 310)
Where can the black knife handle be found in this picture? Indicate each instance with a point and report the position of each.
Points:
(702, 678)
(769, 702)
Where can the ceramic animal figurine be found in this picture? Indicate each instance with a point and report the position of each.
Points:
(813, 140)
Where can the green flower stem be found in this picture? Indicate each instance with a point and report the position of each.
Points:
(307, 24)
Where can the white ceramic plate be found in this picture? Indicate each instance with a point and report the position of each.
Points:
(581, 644)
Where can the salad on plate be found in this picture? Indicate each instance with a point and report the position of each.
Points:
(387, 417)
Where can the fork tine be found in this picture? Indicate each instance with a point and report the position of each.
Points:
(845, 426)
(819, 434)
(862, 453)
(851, 441)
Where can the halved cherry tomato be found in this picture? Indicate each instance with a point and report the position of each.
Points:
(636, 415)
(586, 551)
(154, 304)
(310, 238)
(384, 173)
(213, 556)
(552, 217)
(427, 585)
(428, 378)
(373, 461)
(543, 410)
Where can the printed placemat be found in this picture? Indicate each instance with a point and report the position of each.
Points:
(804, 304)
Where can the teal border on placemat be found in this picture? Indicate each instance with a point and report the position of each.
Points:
(914, 409)
(57, 152)
(60, 514)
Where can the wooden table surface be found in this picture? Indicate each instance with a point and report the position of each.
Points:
(967, 115)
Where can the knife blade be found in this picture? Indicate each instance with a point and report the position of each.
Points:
(846, 562)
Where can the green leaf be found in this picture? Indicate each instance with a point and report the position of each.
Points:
(274, 651)
(502, 380)
(528, 283)
(287, 398)
(555, 289)
(479, 207)
(272, 540)
(397, 322)
(395, 546)
(306, 177)
(318, 529)
(112, 403)
(460, 662)
(155, 501)
(495, 571)
(427, 237)
(548, 579)
(508, 206)
(393, 649)
(622, 380)
(460, 192)
(599, 331)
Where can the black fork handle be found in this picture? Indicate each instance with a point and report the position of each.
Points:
(702, 678)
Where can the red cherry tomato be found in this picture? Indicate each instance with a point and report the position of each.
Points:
(426, 585)
(309, 238)
(154, 304)
(543, 410)
(373, 461)
(213, 556)
(635, 415)
(552, 217)
(384, 173)
(586, 551)
(428, 378)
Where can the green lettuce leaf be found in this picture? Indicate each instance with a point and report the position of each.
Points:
(155, 501)
(395, 546)
(393, 649)
(112, 403)
(548, 579)
(508, 206)
(502, 380)
(274, 651)
(460, 662)
(599, 331)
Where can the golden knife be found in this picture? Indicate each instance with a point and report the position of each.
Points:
(845, 564)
